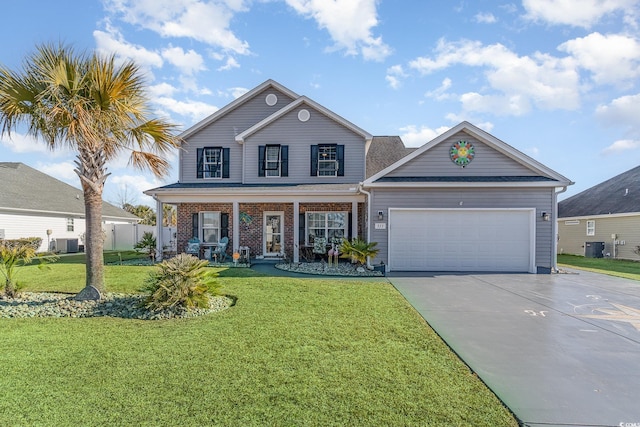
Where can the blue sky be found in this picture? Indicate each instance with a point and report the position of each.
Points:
(556, 79)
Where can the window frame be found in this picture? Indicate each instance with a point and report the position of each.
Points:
(333, 153)
(202, 227)
(206, 165)
(277, 162)
(70, 224)
(326, 228)
(591, 227)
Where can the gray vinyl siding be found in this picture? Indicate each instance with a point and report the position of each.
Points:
(222, 133)
(540, 199)
(571, 238)
(300, 136)
(486, 162)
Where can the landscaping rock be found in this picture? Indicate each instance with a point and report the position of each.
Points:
(318, 268)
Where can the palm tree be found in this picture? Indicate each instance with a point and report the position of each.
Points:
(92, 105)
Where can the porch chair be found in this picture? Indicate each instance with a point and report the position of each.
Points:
(220, 252)
(193, 247)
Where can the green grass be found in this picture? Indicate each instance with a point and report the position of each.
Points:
(612, 267)
(290, 352)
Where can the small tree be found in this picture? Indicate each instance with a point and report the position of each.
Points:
(358, 250)
(147, 244)
(183, 281)
(14, 253)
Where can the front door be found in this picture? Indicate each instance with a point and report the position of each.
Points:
(273, 229)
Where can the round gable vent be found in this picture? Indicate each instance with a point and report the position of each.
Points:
(271, 100)
(303, 115)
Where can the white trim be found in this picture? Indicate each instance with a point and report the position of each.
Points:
(236, 226)
(295, 104)
(457, 184)
(296, 231)
(74, 214)
(601, 216)
(486, 138)
(532, 228)
(236, 103)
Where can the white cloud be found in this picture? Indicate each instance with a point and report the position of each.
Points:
(162, 89)
(412, 136)
(349, 23)
(21, 143)
(230, 64)
(612, 58)
(485, 18)
(112, 42)
(623, 146)
(394, 76)
(577, 13)
(133, 186)
(623, 111)
(195, 110)
(204, 21)
(63, 171)
(440, 93)
(188, 62)
(519, 82)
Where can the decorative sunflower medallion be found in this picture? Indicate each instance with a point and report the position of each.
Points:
(462, 153)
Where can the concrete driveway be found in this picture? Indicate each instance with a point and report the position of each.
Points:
(558, 350)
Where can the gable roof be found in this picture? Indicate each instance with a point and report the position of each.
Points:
(295, 104)
(554, 178)
(384, 151)
(28, 189)
(234, 104)
(620, 194)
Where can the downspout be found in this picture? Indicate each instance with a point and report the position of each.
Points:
(159, 236)
(555, 228)
(362, 190)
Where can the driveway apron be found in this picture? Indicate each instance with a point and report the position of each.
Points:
(561, 349)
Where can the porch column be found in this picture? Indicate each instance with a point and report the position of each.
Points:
(236, 226)
(296, 231)
(354, 220)
(159, 243)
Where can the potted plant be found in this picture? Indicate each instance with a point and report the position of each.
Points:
(358, 250)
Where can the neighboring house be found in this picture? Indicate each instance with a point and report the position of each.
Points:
(275, 171)
(607, 214)
(33, 204)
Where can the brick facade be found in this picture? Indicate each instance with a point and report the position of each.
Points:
(251, 228)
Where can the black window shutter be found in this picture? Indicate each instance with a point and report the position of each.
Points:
(314, 160)
(225, 162)
(340, 158)
(200, 162)
(261, 154)
(194, 225)
(350, 225)
(284, 160)
(224, 225)
(301, 230)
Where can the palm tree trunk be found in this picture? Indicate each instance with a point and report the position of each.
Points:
(91, 170)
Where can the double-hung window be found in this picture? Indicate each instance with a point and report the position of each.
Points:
(70, 225)
(212, 163)
(327, 225)
(327, 160)
(273, 160)
(210, 227)
(591, 228)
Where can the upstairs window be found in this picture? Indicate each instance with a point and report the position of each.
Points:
(273, 160)
(213, 162)
(591, 228)
(327, 160)
(70, 226)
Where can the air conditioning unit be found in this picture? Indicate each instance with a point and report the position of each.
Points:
(67, 246)
(593, 249)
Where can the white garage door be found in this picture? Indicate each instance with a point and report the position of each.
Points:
(461, 240)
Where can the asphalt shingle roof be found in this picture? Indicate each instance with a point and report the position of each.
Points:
(385, 151)
(620, 194)
(22, 187)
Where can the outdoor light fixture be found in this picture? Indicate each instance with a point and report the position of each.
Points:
(545, 216)
(380, 215)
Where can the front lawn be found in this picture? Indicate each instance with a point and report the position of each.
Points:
(613, 267)
(290, 352)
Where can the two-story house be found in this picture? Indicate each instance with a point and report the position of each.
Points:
(274, 171)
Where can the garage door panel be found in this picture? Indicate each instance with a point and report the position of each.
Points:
(460, 240)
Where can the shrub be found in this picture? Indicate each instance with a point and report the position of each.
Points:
(14, 253)
(147, 244)
(183, 281)
(358, 250)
